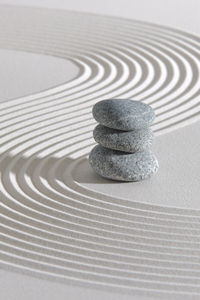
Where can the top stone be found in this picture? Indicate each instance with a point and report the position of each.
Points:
(123, 114)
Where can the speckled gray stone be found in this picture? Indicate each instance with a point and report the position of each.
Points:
(122, 166)
(123, 114)
(127, 141)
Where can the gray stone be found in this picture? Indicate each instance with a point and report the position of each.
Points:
(123, 114)
(122, 166)
(127, 141)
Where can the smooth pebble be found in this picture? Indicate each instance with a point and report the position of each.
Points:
(127, 141)
(123, 114)
(122, 166)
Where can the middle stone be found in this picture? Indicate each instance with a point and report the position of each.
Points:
(127, 141)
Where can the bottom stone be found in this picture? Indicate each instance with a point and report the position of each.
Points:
(118, 165)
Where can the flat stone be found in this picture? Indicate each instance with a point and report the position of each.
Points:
(122, 166)
(127, 141)
(123, 114)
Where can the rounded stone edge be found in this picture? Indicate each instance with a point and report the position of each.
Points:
(123, 123)
(119, 178)
(105, 144)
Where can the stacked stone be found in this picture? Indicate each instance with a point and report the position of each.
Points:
(124, 139)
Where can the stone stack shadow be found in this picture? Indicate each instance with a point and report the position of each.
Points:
(125, 138)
